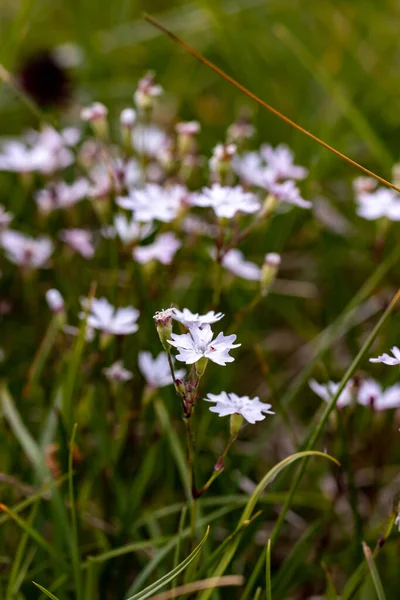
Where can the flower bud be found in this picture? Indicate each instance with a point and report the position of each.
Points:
(55, 301)
(269, 271)
(163, 319)
(186, 137)
(127, 120)
(96, 115)
(236, 422)
(201, 366)
(146, 91)
(221, 160)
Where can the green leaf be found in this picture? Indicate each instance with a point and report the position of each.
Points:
(46, 592)
(246, 514)
(154, 587)
(268, 571)
(374, 572)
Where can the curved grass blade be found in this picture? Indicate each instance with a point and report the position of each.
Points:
(44, 591)
(374, 572)
(262, 103)
(154, 587)
(246, 514)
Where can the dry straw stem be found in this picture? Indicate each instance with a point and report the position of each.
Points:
(264, 104)
(203, 584)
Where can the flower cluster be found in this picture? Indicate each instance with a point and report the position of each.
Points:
(367, 393)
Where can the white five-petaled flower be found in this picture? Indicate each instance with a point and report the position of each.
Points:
(154, 202)
(79, 240)
(117, 372)
(372, 394)
(381, 203)
(226, 201)
(115, 321)
(156, 371)
(128, 230)
(199, 343)
(328, 390)
(189, 319)
(387, 359)
(23, 250)
(288, 192)
(235, 262)
(61, 195)
(251, 409)
(55, 300)
(163, 249)
(280, 161)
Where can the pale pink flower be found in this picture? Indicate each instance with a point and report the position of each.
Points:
(327, 392)
(381, 203)
(25, 251)
(94, 112)
(5, 218)
(55, 300)
(189, 319)
(149, 140)
(117, 372)
(156, 371)
(128, 118)
(115, 321)
(235, 262)
(154, 202)
(79, 240)
(280, 161)
(227, 201)
(387, 359)
(59, 195)
(288, 192)
(163, 249)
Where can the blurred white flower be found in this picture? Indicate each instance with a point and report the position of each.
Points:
(251, 409)
(222, 157)
(387, 359)
(146, 91)
(149, 140)
(249, 167)
(163, 249)
(187, 127)
(154, 202)
(189, 319)
(363, 184)
(280, 161)
(55, 300)
(45, 151)
(106, 180)
(58, 195)
(95, 111)
(116, 321)
(23, 250)
(5, 218)
(288, 192)
(117, 372)
(328, 390)
(381, 203)
(128, 117)
(371, 394)
(79, 240)
(129, 230)
(226, 201)
(156, 371)
(199, 343)
(235, 262)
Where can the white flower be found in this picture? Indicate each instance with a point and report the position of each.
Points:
(371, 394)
(55, 300)
(387, 359)
(327, 391)
(154, 202)
(5, 218)
(94, 112)
(235, 262)
(288, 192)
(128, 118)
(222, 155)
(106, 318)
(156, 371)
(199, 343)
(163, 249)
(249, 167)
(117, 372)
(61, 195)
(187, 127)
(26, 251)
(227, 201)
(147, 90)
(364, 184)
(79, 240)
(45, 151)
(130, 231)
(280, 161)
(381, 203)
(189, 319)
(149, 140)
(251, 409)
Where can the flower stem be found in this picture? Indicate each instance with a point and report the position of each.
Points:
(190, 455)
(218, 467)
